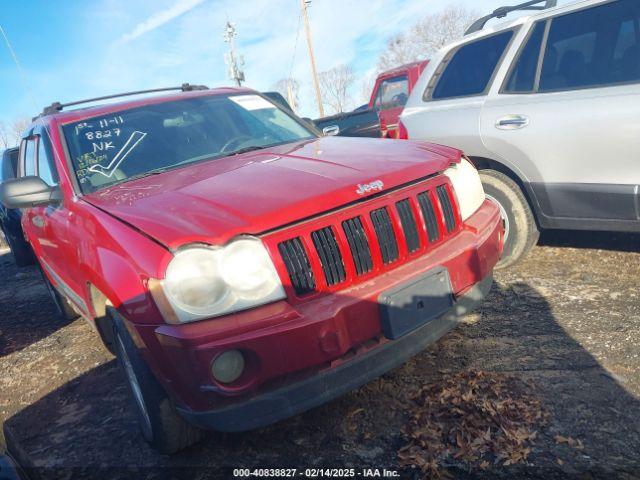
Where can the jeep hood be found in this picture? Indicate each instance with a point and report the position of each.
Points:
(213, 201)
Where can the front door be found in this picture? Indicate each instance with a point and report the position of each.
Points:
(48, 226)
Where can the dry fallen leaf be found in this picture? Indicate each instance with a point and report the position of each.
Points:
(572, 442)
(355, 412)
(474, 418)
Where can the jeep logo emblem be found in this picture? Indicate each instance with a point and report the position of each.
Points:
(370, 187)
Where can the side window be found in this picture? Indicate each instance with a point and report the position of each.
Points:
(598, 46)
(377, 101)
(627, 39)
(522, 78)
(13, 158)
(46, 167)
(471, 67)
(29, 158)
(9, 165)
(393, 92)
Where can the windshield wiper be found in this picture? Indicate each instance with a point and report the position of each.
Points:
(156, 171)
(247, 149)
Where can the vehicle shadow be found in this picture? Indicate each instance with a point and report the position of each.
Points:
(87, 428)
(27, 313)
(615, 241)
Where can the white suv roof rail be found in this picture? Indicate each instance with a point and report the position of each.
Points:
(504, 11)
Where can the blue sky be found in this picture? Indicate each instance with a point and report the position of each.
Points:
(76, 49)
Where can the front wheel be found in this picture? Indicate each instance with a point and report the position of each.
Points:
(161, 426)
(21, 251)
(65, 311)
(520, 231)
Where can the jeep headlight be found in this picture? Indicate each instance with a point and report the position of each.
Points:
(467, 186)
(203, 282)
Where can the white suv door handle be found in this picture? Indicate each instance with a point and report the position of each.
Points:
(512, 122)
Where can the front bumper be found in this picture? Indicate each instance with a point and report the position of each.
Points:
(275, 405)
(288, 344)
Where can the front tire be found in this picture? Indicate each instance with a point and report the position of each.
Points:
(64, 310)
(521, 232)
(161, 426)
(21, 251)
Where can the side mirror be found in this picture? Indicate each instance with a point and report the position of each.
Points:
(26, 192)
(331, 130)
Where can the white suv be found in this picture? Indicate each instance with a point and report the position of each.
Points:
(548, 108)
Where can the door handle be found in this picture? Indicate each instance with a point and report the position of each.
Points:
(512, 122)
(331, 130)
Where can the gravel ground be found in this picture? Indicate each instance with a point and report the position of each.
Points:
(567, 319)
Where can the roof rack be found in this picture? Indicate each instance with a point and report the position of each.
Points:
(504, 11)
(56, 107)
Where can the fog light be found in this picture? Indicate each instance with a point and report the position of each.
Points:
(228, 366)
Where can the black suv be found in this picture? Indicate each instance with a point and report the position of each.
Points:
(10, 218)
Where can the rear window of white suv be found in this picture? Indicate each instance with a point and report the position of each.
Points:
(471, 67)
(522, 76)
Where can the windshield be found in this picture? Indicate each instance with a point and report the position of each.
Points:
(141, 141)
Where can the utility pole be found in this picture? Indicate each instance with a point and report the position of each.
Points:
(235, 72)
(305, 4)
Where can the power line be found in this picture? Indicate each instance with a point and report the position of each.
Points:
(290, 82)
(25, 85)
(304, 4)
(23, 76)
(295, 47)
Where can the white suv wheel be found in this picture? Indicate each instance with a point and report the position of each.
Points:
(520, 230)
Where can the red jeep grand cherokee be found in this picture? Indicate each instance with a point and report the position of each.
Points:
(243, 269)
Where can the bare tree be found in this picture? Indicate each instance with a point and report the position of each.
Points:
(366, 83)
(335, 85)
(5, 141)
(18, 126)
(289, 88)
(427, 36)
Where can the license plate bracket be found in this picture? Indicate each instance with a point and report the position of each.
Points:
(415, 303)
